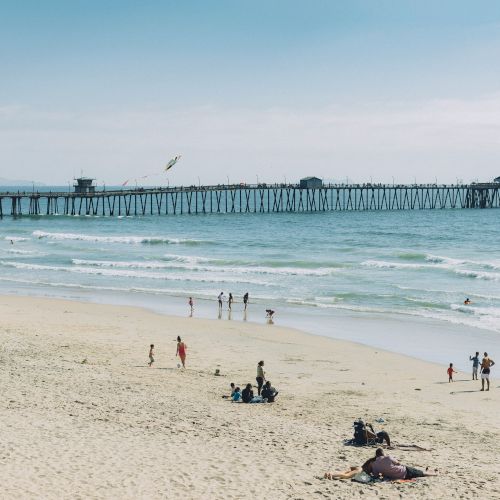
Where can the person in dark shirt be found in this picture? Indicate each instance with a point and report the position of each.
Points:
(269, 392)
(247, 394)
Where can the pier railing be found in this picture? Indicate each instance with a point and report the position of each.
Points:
(246, 198)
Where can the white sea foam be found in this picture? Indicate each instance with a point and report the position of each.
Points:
(397, 265)
(291, 271)
(114, 239)
(16, 238)
(17, 251)
(134, 274)
(480, 275)
(488, 264)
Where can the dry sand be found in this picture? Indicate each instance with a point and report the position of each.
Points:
(113, 428)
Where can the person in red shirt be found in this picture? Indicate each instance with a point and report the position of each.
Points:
(450, 372)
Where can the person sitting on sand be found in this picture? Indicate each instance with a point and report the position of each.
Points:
(233, 389)
(380, 436)
(236, 396)
(365, 434)
(181, 351)
(268, 392)
(248, 397)
(450, 372)
(486, 364)
(247, 394)
(151, 354)
(390, 468)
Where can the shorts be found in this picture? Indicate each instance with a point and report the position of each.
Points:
(411, 473)
(151, 359)
(474, 370)
(485, 376)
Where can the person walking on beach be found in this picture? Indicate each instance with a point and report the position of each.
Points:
(191, 305)
(450, 372)
(230, 301)
(220, 298)
(475, 365)
(181, 351)
(261, 376)
(151, 354)
(486, 364)
(245, 300)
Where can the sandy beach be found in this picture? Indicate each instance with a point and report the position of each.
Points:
(82, 415)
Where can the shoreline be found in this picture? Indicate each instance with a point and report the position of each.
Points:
(455, 341)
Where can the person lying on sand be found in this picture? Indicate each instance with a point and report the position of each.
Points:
(350, 473)
(390, 468)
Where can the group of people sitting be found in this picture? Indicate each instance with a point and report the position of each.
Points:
(267, 394)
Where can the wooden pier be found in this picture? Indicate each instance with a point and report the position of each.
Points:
(244, 198)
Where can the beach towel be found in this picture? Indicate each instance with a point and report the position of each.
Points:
(362, 477)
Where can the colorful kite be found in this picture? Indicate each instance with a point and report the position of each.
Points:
(168, 166)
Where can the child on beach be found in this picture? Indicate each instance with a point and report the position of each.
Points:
(450, 372)
(151, 354)
(236, 397)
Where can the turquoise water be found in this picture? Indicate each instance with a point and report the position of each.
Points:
(401, 264)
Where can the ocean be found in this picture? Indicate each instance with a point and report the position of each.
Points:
(386, 269)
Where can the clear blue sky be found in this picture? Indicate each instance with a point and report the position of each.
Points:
(276, 88)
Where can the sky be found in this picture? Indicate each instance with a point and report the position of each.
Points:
(261, 91)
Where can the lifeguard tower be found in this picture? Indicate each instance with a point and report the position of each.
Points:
(84, 185)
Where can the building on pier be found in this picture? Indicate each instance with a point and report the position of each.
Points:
(311, 183)
(84, 185)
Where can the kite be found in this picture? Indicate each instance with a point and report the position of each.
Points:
(168, 166)
(172, 162)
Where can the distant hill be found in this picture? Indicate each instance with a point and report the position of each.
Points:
(17, 182)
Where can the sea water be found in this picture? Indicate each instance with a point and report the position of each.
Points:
(386, 269)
